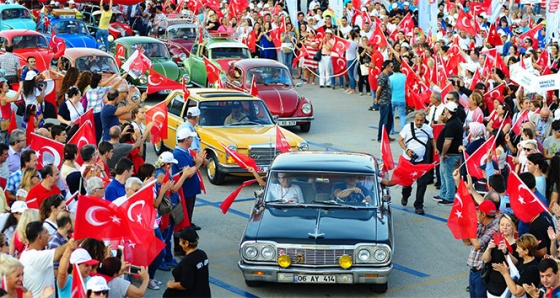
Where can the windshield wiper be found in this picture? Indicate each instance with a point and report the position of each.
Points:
(334, 203)
(244, 123)
(286, 203)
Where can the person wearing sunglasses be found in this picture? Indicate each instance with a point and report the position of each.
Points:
(97, 287)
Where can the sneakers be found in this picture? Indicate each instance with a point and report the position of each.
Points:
(173, 263)
(163, 267)
(445, 203)
(437, 199)
(153, 285)
(419, 211)
(404, 201)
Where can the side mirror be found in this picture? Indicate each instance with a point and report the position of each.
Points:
(259, 195)
(299, 84)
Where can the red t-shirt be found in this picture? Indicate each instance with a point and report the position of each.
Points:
(38, 194)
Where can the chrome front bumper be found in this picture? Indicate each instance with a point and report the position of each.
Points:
(354, 275)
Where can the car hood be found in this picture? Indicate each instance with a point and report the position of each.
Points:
(18, 24)
(224, 63)
(242, 136)
(336, 225)
(78, 41)
(281, 100)
(166, 68)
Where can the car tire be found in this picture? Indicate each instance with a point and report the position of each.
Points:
(214, 175)
(253, 283)
(305, 127)
(160, 148)
(379, 288)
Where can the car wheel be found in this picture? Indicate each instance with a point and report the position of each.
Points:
(159, 148)
(252, 283)
(305, 127)
(214, 175)
(379, 288)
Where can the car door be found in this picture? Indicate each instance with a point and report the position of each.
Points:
(198, 69)
(175, 108)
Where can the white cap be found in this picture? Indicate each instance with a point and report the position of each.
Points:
(328, 31)
(193, 112)
(18, 207)
(451, 106)
(30, 75)
(82, 256)
(185, 133)
(406, 4)
(167, 157)
(97, 284)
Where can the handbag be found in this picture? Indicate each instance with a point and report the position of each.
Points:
(165, 206)
(317, 57)
(364, 69)
(485, 272)
(287, 47)
(4, 124)
(177, 214)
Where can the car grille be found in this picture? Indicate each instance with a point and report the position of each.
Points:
(315, 257)
(262, 155)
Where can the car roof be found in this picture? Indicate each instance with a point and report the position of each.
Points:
(250, 63)
(212, 94)
(226, 43)
(74, 53)
(98, 12)
(10, 6)
(20, 32)
(181, 25)
(325, 161)
(128, 40)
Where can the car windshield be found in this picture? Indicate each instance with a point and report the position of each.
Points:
(182, 33)
(234, 113)
(229, 53)
(29, 42)
(118, 18)
(330, 189)
(15, 13)
(153, 50)
(268, 75)
(97, 64)
(70, 27)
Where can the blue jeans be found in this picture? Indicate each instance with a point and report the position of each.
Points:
(157, 261)
(103, 35)
(287, 59)
(351, 65)
(385, 118)
(167, 237)
(401, 107)
(341, 80)
(373, 94)
(446, 168)
(477, 287)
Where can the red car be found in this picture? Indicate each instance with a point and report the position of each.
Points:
(179, 38)
(275, 87)
(28, 43)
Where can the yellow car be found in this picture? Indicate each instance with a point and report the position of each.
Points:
(252, 134)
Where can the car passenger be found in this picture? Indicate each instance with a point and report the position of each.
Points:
(276, 78)
(352, 191)
(285, 190)
(236, 115)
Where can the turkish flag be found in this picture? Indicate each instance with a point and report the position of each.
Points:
(496, 93)
(236, 7)
(357, 5)
(465, 22)
(524, 203)
(320, 33)
(478, 158)
(407, 24)
(407, 70)
(475, 79)
(523, 117)
(57, 45)
(158, 82)
(99, 219)
(378, 39)
(386, 153)
(252, 42)
(194, 5)
(493, 36)
(242, 160)
(339, 64)
(212, 71)
(282, 144)
(445, 90)
(137, 64)
(87, 119)
(415, 100)
(158, 115)
(78, 286)
(84, 136)
(500, 64)
(462, 219)
(532, 34)
(544, 60)
(478, 8)
(275, 34)
(142, 253)
(13, 123)
(186, 92)
(340, 45)
(406, 172)
(226, 203)
(48, 151)
(200, 181)
(454, 58)
(213, 4)
(254, 89)
(140, 212)
(301, 55)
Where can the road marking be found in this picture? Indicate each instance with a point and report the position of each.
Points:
(230, 288)
(409, 270)
(425, 215)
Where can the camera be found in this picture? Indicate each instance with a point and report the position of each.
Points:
(41, 85)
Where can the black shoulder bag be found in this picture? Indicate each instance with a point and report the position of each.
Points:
(428, 156)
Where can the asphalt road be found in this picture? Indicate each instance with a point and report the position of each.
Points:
(428, 261)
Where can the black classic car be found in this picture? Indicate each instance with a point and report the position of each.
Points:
(322, 218)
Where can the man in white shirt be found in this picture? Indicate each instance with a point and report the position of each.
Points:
(38, 262)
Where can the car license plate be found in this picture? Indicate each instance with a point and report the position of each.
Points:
(287, 122)
(320, 279)
(167, 91)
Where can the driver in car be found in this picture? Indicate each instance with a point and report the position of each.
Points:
(276, 78)
(352, 191)
(236, 115)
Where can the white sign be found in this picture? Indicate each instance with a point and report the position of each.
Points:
(547, 83)
(427, 15)
(552, 20)
(533, 83)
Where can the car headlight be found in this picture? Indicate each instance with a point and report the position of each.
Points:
(230, 159)
(268, 253)
(250, 252)
(303, 146)
(186, 77)
(182, 56)
(364, 255)
(135, 97)
(306, 108)
(380, 255)
(143, 79)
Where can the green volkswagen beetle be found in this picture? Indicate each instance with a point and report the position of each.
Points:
(155, 50)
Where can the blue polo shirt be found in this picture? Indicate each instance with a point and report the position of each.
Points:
(114, 190)
(191, 186)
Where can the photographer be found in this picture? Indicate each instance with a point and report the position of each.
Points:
(417, 141)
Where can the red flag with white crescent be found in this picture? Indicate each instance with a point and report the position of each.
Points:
(465, 22)
(282, 144)
(524, 203)
(158, 82)
(99, 219)
(158, 115)
(84, 136)
(462, 219)
(340, 45)
(386, 153)
(49, 152)
(212, 71)
(78, 285)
